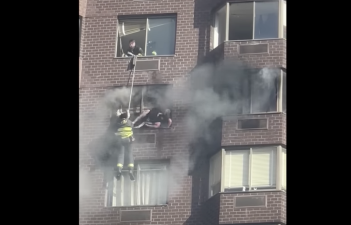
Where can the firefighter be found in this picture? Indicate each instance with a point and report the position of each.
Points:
(153, 118)
(125, 135)
(134, 50)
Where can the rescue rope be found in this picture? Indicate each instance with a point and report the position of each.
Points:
(132, 72)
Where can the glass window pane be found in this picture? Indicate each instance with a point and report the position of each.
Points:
(131, 29)
(215, 174)
(284, 19)
(241, 21)
(284, 92)
(263, 168)
(266, 19)
(264, 89)
(283, 169)
(236, 169)
(220, 25)
(161, 36)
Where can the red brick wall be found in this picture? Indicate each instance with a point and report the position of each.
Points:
(275, 134)
(276, 55)
(274, 212)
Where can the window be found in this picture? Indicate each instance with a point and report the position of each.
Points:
(143, 97)
(283, 169)
(215, 174)
(250, 20)
(284, 18)
(149, 187)
(284, 92)
(248, 169)
(264, 91)
(256, 91)
(80, 30)
(154, 34)
(219, 28)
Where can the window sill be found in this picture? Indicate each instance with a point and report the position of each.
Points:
(251, 129)
(243, 192)
(254, 191)
(139, 206)
(265, 39)
(229, 116)
(151, 56)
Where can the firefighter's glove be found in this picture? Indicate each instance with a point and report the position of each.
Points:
(119, 112)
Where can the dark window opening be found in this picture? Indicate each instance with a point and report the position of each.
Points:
(155, 35)
(264, 91)
(254, 91)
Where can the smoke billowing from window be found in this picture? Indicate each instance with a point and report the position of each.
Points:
(229, 88)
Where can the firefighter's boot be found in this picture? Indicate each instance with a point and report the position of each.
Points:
(118, 172)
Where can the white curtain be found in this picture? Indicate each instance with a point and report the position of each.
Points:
(215, 173)
(263, 167)
(236, 169)
(149, 188)
(257, 171)
(283, 169)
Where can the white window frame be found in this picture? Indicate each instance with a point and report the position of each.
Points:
(227, 6)
(278, 167)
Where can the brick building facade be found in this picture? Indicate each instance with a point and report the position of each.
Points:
(235, 177)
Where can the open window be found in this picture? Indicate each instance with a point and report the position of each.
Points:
(149, 188)
(146, 97)
(146, 33)
(255, 91)
(215, 178)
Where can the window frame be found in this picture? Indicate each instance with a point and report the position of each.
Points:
(80, 31)
(278, 167)
(147, 17)
(279, 94)
(143, 89)
(109, 195)
(227, 4)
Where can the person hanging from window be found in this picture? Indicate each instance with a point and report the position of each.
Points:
(125, 135)
(153, 118)
(134, 50)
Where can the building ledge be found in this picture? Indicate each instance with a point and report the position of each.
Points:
(137, 206)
